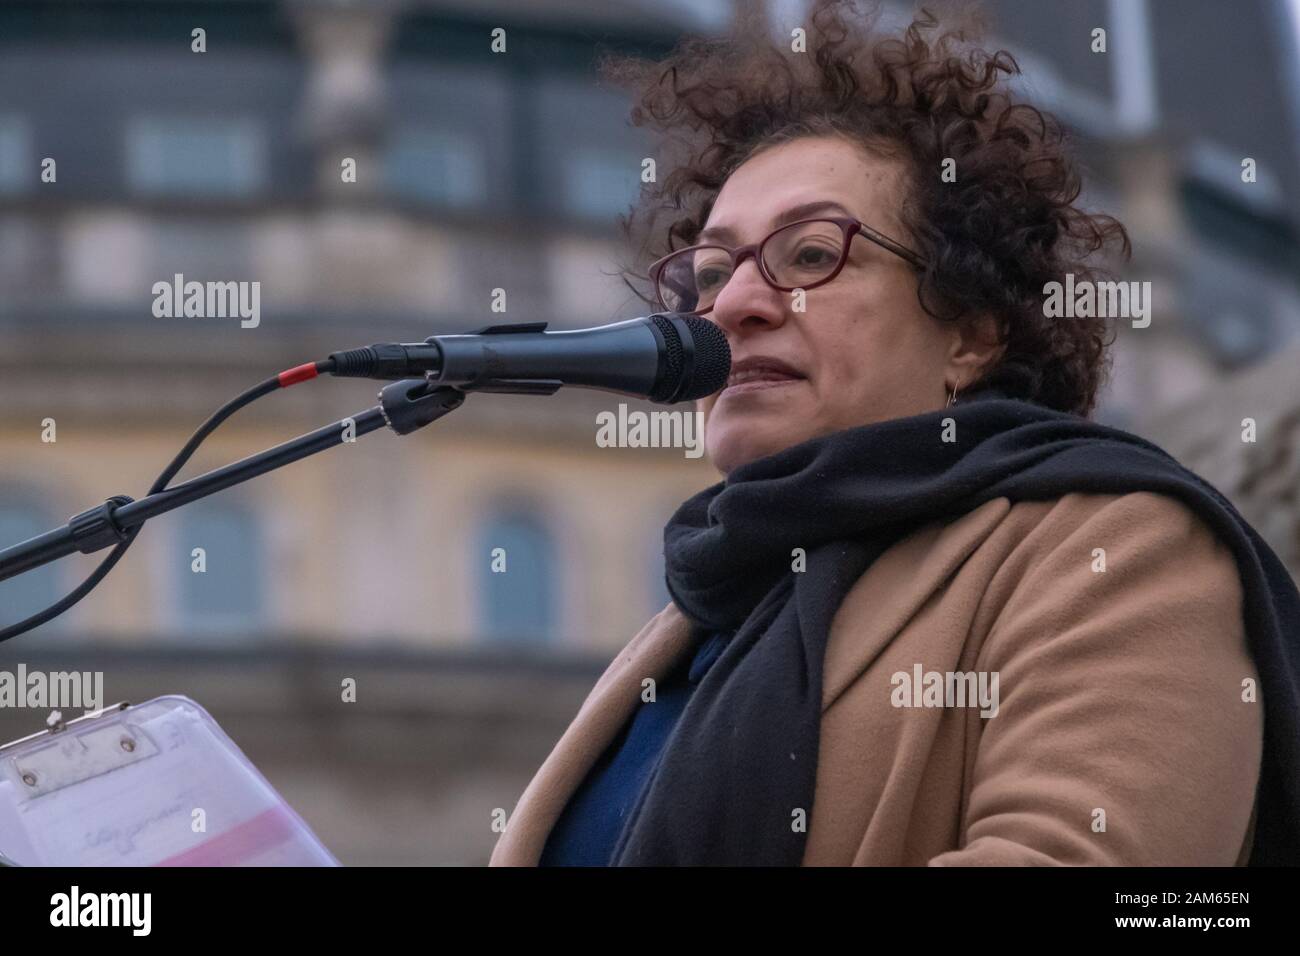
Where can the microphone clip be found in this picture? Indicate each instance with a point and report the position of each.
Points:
(412, 403)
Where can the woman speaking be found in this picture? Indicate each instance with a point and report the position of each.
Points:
(933, 614)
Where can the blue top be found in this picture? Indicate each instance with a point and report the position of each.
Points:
(588, 829)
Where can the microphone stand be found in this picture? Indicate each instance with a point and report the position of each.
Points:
(404, 406)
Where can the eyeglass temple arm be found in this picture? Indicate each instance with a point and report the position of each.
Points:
(896, 248)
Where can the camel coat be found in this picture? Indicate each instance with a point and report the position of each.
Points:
(1121, 736)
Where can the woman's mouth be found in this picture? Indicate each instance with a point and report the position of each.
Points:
(757, 374)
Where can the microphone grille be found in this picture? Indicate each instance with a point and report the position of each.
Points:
(712, 358)
(674, 357)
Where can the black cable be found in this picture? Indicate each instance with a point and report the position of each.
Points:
(204, 430)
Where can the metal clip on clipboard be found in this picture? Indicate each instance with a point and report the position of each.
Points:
(157, 784)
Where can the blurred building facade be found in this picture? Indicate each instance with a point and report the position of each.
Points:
(475, 171)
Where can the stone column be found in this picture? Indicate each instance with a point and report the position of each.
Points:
(343, 114)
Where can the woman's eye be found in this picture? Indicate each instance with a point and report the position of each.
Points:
(813, 256)
(707, 278)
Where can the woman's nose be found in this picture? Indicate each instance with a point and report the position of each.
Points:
(747, 302)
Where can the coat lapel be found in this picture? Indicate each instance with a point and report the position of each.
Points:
(873, 612)
(652, 653)
(897, 585)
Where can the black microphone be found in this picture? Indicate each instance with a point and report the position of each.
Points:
(666, 358)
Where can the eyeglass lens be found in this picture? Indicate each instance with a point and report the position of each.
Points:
(794, 257)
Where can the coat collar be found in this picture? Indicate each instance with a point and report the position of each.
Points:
(652, 653)
(873, 612)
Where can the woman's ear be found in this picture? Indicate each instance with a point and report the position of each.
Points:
(976, 346)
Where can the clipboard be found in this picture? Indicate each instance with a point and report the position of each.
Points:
(153, 784)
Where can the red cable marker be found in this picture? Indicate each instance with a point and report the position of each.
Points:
(299, 373)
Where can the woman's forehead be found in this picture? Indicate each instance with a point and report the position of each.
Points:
(801, 175)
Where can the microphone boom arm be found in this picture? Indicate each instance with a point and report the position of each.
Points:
(404, 407)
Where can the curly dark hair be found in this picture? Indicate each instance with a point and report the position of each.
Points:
(992, 239)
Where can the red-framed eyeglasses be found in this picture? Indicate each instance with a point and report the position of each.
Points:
(801, 255)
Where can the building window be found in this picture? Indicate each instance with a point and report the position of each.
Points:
(220, 589)
(16, 168)
(588, 161)
(519, 590)
(21, 517)
(601, 183)
(455, 151)
(437, 166)
(209, 157)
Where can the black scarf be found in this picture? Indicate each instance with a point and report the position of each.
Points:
(744, 752)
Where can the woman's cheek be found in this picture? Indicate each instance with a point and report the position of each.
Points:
(705, 406)
(844, 396)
